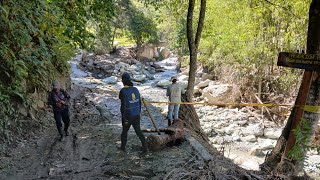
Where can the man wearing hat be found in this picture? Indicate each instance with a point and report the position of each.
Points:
(130, 111)
(174, 92)
(58, 99)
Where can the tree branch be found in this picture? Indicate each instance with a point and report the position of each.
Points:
(284, 8)
(200, 22)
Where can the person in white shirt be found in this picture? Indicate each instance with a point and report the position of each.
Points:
(174, 92)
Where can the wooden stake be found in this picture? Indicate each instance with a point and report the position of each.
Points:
(151, 117)
(298, 110)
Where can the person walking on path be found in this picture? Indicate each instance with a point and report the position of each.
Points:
(58, 99)
(174, 92)
(130, 112)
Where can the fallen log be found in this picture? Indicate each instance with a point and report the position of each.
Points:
(154, 130)
(174, 133)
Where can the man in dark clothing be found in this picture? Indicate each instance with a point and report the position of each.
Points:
(130, 111)
(59, 98)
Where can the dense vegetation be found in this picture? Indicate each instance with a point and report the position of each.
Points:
(241, 41)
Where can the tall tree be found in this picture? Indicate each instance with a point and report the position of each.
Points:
(193, 43)
(188, 112)
(278, 157)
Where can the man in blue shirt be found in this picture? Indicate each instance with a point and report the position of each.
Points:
(130, 111)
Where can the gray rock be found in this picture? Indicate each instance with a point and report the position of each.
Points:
(217, 92)
(163, 83)
(254, 129)
(204, 84)
(183, 78)
(272, 133)
(266, 144)
(139, 78)
(110, 80)
(250, 138)
(206, 76)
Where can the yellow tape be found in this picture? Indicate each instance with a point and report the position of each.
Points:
(219, 104)
(307, 108)
(313, 109)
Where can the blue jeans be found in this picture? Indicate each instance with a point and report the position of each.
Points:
(173, 108)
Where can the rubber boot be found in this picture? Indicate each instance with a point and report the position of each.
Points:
(144, 146)
(60, 132)
(66, 131)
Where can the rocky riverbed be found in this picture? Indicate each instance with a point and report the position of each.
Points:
(239, 133)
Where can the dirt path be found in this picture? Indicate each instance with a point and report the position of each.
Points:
(90, 152)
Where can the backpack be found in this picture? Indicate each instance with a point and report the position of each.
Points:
(132, 101)
(50, 100)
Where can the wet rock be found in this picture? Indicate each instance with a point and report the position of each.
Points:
(156, 66)
(139, 78)
(136, 67)
(110, 80)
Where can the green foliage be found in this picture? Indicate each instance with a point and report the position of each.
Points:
(123, 41)
(37, 39)
(142, 28)
(87, 20)
(303, 135)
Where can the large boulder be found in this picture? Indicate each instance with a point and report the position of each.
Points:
(146, 51)
(217, 92)
(204, 84)
(165, 53)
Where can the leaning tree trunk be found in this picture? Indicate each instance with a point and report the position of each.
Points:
(310, 84)
(187, 112)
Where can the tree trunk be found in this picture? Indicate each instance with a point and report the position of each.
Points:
(174, 133)
(193, 43)
(313, 97)
(113, 37)
(188, 112)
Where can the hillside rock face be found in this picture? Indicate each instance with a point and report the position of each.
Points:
(39, 97)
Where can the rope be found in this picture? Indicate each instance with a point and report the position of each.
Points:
(307, 108)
